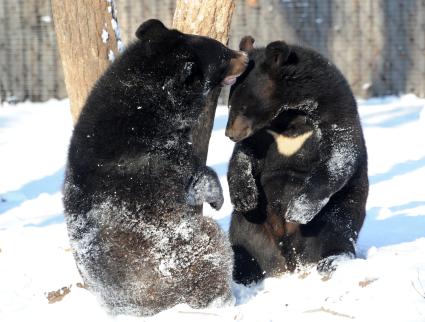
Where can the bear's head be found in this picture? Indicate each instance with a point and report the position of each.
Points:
(189, 64)
(255, 97)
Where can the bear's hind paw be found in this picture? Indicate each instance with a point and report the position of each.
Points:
(328, 265)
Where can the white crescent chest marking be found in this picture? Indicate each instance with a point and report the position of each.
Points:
(289, 145)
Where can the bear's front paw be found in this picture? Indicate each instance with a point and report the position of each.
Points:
(213, 191)
(205, 187)
(302, 209)
(244, 200)
(216, 200)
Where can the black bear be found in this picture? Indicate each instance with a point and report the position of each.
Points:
(133, 184)
(298, 174)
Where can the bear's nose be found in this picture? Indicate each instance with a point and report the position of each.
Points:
(235, 137)
(229, 133)
(238, 129)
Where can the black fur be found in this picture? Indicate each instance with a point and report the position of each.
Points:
(133, 184)
(309, 206)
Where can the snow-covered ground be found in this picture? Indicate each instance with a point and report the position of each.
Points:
(386, 282)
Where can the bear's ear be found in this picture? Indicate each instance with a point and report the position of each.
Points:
(277, 53)
(247, 43)
(151, 29)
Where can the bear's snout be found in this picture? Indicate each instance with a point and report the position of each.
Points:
(239, 128)
(237, 66)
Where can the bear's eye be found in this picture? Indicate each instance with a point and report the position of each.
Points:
(189, 73)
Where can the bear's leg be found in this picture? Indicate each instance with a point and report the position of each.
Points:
(207, 280)
(246, 269)
(243, 189)
(329, 264)
(251, 239)
(326, 242)
(279, 189)
(204, 186)
(341, 219)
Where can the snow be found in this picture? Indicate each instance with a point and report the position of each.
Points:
(114, 24)
(105, 36)
(46, 19)
(112, 9)
(385, 282)
(111, 55)
(120, 46)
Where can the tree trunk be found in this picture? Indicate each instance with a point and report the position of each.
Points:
(88, 40)
(207, 18)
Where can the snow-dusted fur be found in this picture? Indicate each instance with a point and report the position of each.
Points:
(133, 185)
(298, 174)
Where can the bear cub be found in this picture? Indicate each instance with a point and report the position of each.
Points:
(134, 185)
(298, 174)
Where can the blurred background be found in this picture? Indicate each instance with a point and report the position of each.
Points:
(379, 45)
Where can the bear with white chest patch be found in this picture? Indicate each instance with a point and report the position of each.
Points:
(134, 184)
(298, 174)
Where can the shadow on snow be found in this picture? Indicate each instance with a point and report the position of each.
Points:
(52, 220)
(220, 122)
(396, 229)
(395, 117)
(397, 170)
(220, 168)
(49, 184)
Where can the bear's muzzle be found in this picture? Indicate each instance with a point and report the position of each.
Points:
(239, 128)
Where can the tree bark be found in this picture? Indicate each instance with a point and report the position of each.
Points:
(88, 39)
(210, 18)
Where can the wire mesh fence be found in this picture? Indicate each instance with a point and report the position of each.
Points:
(379, 45)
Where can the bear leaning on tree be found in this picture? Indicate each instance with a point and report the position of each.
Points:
(133, 184)
(298, 173)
